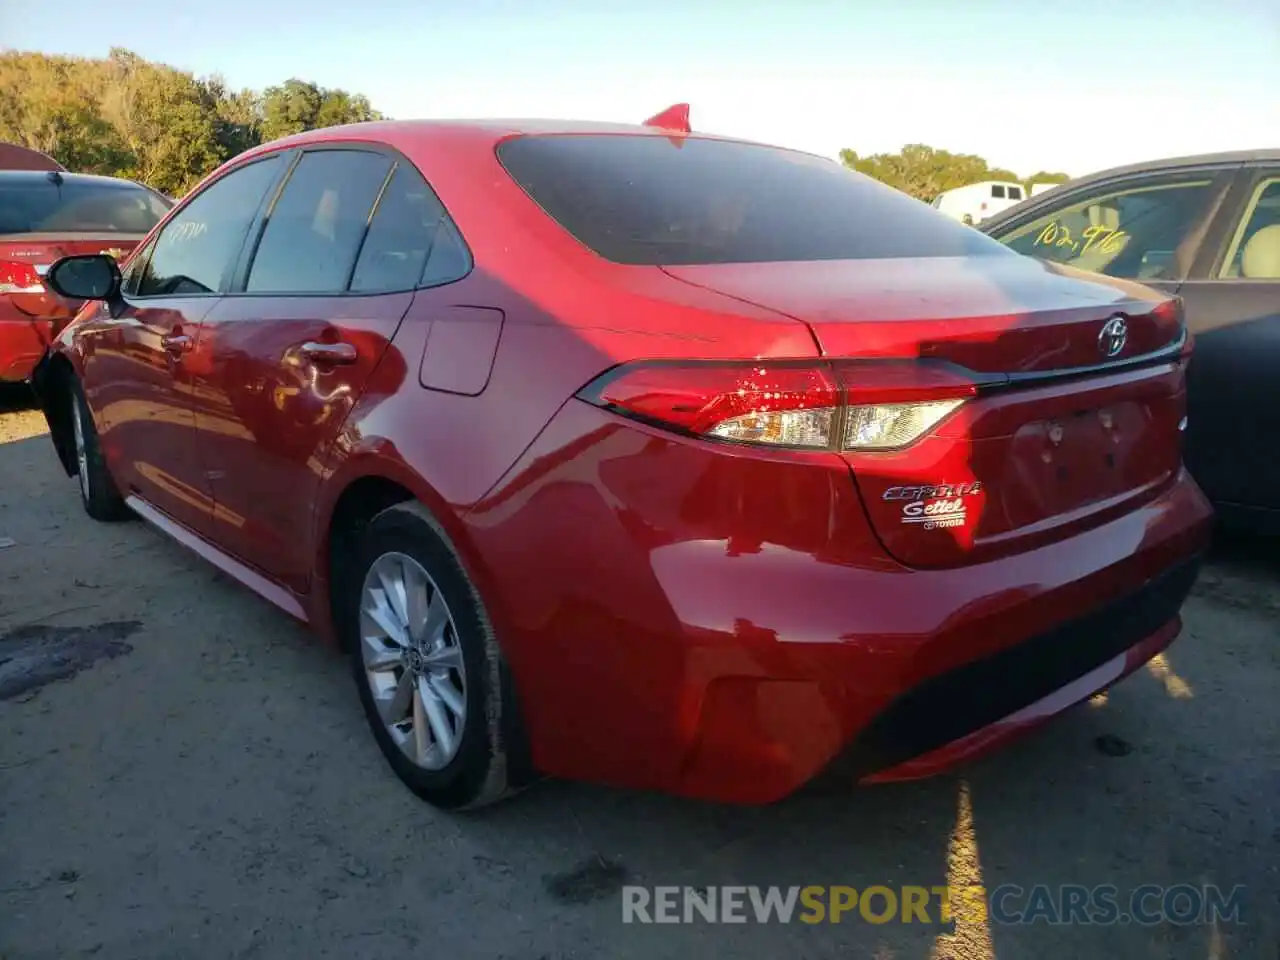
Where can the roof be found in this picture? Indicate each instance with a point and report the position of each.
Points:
(407, 134)
(16, 157)
(1271, 154)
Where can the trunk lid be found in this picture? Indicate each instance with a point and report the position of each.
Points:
(990, 314)
(1062, 428)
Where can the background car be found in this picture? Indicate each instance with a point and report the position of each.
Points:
(604, 463)
(15, 157)
(1206, 228)
(978, 201)
(49, 214)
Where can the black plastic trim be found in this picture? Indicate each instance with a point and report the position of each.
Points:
(951, 706)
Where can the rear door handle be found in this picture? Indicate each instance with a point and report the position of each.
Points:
(339, 352)
(176, 343)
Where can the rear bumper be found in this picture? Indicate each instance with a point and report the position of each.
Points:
(966, 711)
(761, 738)
(728, 627)
(22, 344)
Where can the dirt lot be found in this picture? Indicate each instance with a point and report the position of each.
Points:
(198, 782)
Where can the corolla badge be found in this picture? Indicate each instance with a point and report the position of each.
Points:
(1113, 336)
(933, 506)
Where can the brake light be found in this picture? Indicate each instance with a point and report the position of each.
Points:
(18, 277)
(832, 405)
(1170, 314)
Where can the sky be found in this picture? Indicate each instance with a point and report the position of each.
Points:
(1070, 86)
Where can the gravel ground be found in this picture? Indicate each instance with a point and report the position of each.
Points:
(184, 775)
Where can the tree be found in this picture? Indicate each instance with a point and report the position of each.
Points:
(237, 116)
(297, 105)
(165, 121)
(925, 171)
(126, 116)
(50, 105)
(1044, 176)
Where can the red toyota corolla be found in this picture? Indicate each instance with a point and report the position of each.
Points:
(640, 456)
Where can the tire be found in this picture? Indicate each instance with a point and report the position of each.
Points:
(98, 492)
(479, 771)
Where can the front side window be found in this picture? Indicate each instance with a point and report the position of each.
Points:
(646, 200)
(1254, 250)
(198, 248)
(133, 273)
(1132, 232)
(1015, 193)
(314, 232)
(997, 192)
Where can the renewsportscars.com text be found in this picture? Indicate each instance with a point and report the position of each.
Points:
(1150, 904)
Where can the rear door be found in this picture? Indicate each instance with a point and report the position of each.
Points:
(284, 358)
(1233, 309)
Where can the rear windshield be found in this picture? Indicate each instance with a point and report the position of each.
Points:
(38, 205)
(652, 200)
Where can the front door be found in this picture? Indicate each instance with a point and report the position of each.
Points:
(287, 355)
(1233, 309)
(138, 350)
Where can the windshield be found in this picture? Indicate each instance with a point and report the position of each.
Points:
(78, 206)
(652, 200)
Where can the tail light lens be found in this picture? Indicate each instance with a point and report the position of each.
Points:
(889, 426)
(1170, 318)
(17, 277)
(821, 405)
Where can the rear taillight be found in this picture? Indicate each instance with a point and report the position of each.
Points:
(818, 404)
(17, 277)
(1170, 317)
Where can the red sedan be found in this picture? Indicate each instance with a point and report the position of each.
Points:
(641, 456)
(46, 213)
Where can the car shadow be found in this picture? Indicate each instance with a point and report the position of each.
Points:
(16, 397)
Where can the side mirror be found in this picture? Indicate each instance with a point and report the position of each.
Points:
(89, 277)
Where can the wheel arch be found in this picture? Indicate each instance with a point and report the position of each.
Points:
(355, 497)
(358, 498)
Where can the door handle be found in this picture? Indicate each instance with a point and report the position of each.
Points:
(176, 343)
(339, 352)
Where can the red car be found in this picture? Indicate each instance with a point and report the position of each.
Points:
(632, 455)
(46, 214)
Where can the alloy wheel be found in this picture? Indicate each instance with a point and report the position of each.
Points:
(82, 454)
(413, 660)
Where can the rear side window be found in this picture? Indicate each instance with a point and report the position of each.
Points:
(197, 249)
(40, 205)
(648, 200)
(409, 229)
(1015, 193)
(314, 231)
(997, 192)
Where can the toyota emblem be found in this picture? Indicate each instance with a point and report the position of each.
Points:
(1113, 336)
